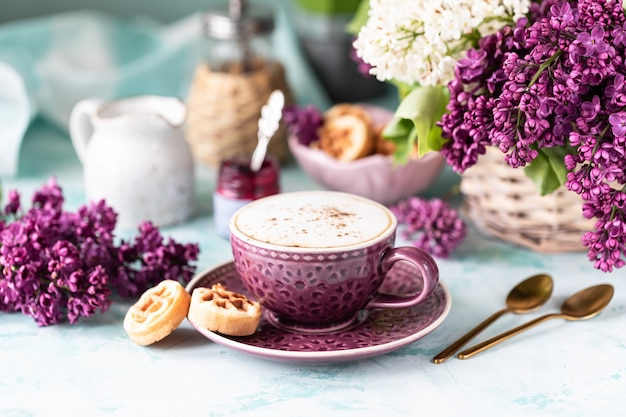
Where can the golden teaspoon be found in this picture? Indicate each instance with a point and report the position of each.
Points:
(525, 297)
(583, 305)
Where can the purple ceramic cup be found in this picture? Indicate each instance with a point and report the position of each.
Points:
(316, 259)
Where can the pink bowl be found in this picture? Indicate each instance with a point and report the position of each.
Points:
(376, 176)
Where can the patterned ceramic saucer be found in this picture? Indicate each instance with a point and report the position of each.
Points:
(380, 331)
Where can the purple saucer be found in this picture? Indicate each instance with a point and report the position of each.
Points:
(380, 331)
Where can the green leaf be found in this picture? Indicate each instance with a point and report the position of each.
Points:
(415, 121)
(433, 143)
(329, 6)
(402, 133)
(548, 171)
(397, 128)
(359, 19)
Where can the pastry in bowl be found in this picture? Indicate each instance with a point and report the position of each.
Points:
(360, 160)
(347, 133)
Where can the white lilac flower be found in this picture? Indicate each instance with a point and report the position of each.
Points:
(419, 41)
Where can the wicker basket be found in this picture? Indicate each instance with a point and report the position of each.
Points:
(503, 202)
(224, 110)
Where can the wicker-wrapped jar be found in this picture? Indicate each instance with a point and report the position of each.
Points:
(232, 83)
(502, 202)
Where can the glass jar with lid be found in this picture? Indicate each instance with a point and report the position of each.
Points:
(238, 184)
(233, 82)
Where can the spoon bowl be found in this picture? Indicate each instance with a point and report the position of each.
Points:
(587, 303)
(530, 294)
(525, 297)
(582, 305)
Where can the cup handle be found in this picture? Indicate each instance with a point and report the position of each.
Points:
(419, 259)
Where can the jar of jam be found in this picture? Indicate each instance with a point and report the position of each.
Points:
(238, 184)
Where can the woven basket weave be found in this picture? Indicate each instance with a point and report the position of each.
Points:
(503, 202)
(223, 111)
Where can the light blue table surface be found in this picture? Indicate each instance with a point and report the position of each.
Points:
(93, 369)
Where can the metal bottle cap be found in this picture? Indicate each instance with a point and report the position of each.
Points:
(237, 20)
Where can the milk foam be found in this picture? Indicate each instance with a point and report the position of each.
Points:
(313, 219)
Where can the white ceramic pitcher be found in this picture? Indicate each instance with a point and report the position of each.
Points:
(134, 156)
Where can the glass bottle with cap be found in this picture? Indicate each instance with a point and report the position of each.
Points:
(239, 38)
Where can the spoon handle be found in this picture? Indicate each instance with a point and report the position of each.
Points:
(468, 353)
(449, 351)
(259, 153)
(271, 113)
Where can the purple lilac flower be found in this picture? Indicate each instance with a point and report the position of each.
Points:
(13, 206)
(362, 67)
(146, 261)
(618, 123)
(58, 266)
(432, 226)
(591, 43)
(555, 79)
(619, 36)
(303, 122)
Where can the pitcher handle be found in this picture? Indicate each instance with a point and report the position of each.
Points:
(427, 271)
(81, 125)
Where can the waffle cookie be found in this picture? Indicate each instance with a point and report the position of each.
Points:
(157, 313)
(220, 310)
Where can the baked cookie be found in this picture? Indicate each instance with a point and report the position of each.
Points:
(220, 310)
(157, 313)
(383, 146)
(347, 133)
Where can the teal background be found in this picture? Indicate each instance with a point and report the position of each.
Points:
(162, 11)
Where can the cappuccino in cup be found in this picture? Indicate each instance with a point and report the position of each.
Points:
(313, 220)
(316, 259)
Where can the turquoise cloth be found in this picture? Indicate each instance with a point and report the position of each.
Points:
(48, 64)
